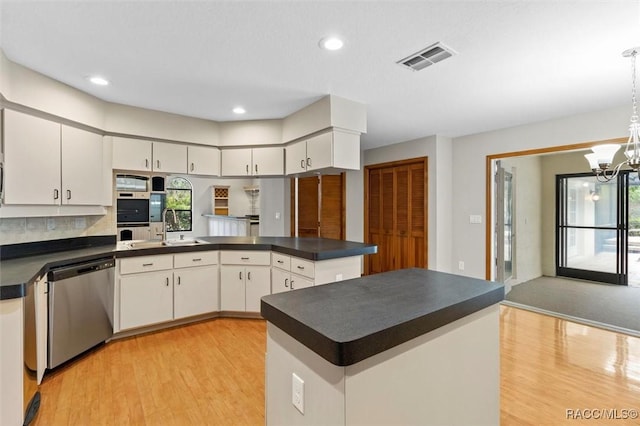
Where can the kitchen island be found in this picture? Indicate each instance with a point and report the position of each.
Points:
(404, 347)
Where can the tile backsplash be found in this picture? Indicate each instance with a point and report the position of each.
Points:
(22, 230)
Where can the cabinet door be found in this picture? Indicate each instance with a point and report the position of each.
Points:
(31, 159)
(320, 151)
(298, 282)
(296, 157)
(169, 157)
(236, 162)
(131, 154)
(232, 288)
(279, 280)
(195, 291)
(268, 161)
(146, 299)
(82, 174)
(203, 160)
(258, 285)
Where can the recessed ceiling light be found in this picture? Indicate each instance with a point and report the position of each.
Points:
(100, 81)
(239, 110)
(331, 43)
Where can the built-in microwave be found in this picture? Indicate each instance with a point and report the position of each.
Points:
(132, 186)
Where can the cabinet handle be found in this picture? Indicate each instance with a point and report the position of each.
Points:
(68, 194)
(196, 260)
(167, 281)
(280, 261)
(308, 162)
(300, 267)
(292, 285)
(247, 167)
(286, 281)
(1, 181)
(249, 275)
(240, 274)
(56, 194)
(147, 264)
(158, 164)
(178, 280)
(146, 163)
(302, 164)
(256, 167)
(192, 167)
(244, 258)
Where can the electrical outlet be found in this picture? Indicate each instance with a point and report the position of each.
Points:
(51, 224)
(461, 265)
(80, 223)
(277, 215)
(297, 392)
(338, 277)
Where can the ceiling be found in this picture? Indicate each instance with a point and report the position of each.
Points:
(517, 62)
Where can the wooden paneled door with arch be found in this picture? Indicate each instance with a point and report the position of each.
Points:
(396, 214)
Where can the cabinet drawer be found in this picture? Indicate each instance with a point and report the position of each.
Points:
(245, 257)
(195, 258)
(281, 261)
(302, 267)
(134, 265)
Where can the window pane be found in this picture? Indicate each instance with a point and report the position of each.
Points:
(592, 249)
(591, 203)
(178, 199)
(183, 221)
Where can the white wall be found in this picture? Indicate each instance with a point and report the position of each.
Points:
(275, 200)
(470, 152)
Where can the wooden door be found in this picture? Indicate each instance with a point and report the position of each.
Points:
(321, 206)
(395, 218)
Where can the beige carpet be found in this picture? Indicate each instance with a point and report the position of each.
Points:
(607, 306)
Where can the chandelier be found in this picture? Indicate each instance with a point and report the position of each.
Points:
(602, 156)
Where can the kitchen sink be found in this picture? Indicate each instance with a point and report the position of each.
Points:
(155, 243)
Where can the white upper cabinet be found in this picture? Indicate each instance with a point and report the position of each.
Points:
(50, 164)
(82, 173)
(169, 158)
(131, 154)
(268, 161)
(31, 160)
(203, 160)
(331, 150)
(143, 155)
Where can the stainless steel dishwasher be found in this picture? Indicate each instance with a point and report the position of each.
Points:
(80, 308)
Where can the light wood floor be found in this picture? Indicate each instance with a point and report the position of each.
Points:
(212, 373)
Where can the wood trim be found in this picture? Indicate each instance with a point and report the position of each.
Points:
(489, 184)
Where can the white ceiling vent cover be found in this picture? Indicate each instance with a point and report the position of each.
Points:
(429, 56)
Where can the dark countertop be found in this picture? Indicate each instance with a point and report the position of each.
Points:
(21, 264)
(351, 320)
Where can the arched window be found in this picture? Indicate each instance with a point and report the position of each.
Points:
(179, 198)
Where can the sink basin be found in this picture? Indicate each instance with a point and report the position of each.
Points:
(183, 242)
(146, 244)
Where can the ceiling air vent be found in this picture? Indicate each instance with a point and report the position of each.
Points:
(429, 56)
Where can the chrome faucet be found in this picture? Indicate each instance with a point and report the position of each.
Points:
(164, 222)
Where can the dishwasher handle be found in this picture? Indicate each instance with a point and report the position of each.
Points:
(81, 269)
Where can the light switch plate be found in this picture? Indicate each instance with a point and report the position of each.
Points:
(297, 392)
(475, 218)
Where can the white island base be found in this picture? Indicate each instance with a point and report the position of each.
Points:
(449, 376)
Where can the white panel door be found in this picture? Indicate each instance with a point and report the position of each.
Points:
(131, 154)
(268, 161)
(203, 160)
(232, 288)
(195, 291)
(146, 299)
(320, 151)
(169, 157)
(258, 284)
(82, 174)
(296, 157)
(31, 159)
(236, 162)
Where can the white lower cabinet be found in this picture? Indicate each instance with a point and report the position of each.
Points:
(282, 280)
(290, 273)
(155, 289)
(145, 299)
(245, 276)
